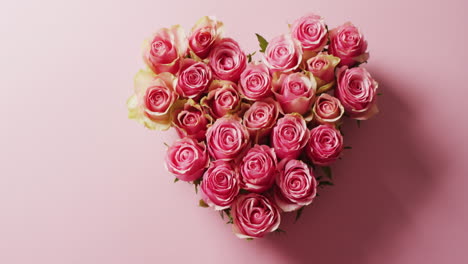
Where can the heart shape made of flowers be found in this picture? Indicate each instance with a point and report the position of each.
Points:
(257, 136)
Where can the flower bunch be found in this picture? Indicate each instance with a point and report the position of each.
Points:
(256, 135)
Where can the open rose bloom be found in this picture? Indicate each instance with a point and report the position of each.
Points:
(257, 134)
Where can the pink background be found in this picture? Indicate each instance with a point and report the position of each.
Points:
(79, 183)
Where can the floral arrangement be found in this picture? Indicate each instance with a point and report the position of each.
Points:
(256, 136)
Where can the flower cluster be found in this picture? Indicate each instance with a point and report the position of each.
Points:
(257, 136)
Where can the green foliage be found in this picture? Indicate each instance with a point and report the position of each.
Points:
(262, 43)
(299, 213)
(202, 203)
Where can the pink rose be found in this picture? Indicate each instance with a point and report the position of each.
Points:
(327, 109)
(254, 216)
(191, 121)
(255, 82)
(194, 78)
(227, 60)
(289, 136)
(296, 183)
(322, 67)
(162, 53)
(283, 53)
(220, 185)
(357, 90)
(187, 159)
(154, 99)
(325, 145)
(227, 138)
(311, 32)
(204, 35)
(258, 169)
(295, 92)
(347, 43)
(222, 99)
(261, 117)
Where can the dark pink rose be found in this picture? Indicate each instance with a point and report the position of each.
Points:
(311, 32)
(289, 136)
(325, 145)
(283, 53)
(204, 35)
(260, 118)
(348, 44)
(258, 169)
(254, 216)
(220, 185)
(194, 78)
(327, 109)
(357, 92)
(191, 121)
(295, 92)
(227, 138)
(227, 60)
(162, 53)
(187, 159)
(255, 82)
(296, 185)
(222, 99)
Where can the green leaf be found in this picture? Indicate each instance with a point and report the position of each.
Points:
(379, 94)
(249, 56)
(221, 213)
(348, 147)
(279, 230)
(327, 171)
(243, 191)
(358, 123)
(262, 43)
(202, 203)
(176, 180)
(196, 183)
(299, 213)
(249, 239)
(325, 183)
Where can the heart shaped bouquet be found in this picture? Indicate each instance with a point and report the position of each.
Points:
(257, 136)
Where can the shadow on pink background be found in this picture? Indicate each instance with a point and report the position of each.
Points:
(82, 184)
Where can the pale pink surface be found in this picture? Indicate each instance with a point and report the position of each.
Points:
(81, 184)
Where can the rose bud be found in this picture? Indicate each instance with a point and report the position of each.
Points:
(220, 185)
(227, 138)
(325, 145)
(204, 35)
(194, 78)
(356, 90)
(283, 53)
(222, 99)
(162, 53)
(289, 136)
(296, 185)
(154, 99)
(348, 44)
(327, 109)
(322, 67)
(191, 121)
(261, 117)
(187, 159)
(295, 92)
(254, 216)
(255, 82)
(311, 32)
(258, 169)
(227, 60)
